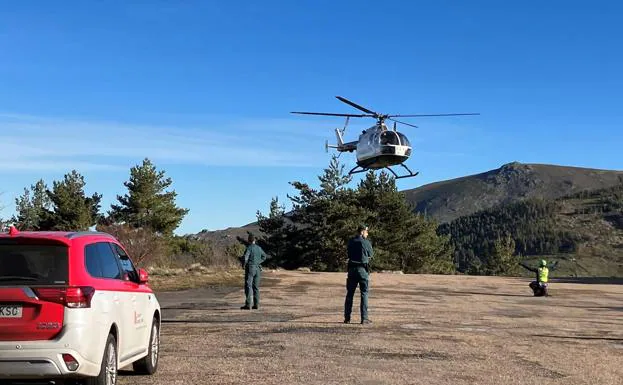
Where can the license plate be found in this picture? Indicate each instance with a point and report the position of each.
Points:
(10, 311)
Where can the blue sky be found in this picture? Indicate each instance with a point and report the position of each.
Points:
(204, 89)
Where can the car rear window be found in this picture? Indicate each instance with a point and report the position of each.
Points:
(33, 262)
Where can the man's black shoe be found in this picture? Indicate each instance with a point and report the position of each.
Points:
(347, 321)
(245, 308)
(255, 307)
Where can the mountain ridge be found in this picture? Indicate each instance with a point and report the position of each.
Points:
(453, 198)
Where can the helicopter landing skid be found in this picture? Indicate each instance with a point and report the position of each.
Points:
(355, 171)
(358, 169)
(409, 175)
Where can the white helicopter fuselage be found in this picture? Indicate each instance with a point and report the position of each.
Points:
(379, 147)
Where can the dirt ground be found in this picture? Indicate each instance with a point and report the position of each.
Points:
(426, 330)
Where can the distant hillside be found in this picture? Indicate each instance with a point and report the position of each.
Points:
(451, 199)
(220, 239)
(582, 231)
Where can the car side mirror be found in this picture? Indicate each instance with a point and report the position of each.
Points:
(143, 276)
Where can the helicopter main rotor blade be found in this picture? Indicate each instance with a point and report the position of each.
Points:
(331, 114)
(420, 115)
(398, 121)
(357, 106)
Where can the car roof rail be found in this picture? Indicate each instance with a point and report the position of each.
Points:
(79, 234)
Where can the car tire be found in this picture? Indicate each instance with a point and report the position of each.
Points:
(149, 364)
(108, 369)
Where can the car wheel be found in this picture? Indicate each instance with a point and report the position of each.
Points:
(108, 369)
(149, 364)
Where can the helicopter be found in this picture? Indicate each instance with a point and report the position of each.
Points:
(377, 147)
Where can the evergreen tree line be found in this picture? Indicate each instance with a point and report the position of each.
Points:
(315, 232)
(143, 219)
(525, 228)
(66, 207)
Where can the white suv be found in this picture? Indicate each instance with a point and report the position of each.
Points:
(73, 306)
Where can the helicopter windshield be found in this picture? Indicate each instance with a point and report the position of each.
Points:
(389, 137)
(403, 139)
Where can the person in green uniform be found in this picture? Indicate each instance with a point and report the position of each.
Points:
(252, 260)
(359, 255)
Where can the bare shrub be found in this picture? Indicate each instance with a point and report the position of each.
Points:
(144, 246)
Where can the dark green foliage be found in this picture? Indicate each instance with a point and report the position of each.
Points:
(277, 244)
(533, 227)
(530, 223)
(32, 206)
(503, 259)
(64, 208)
(147, 204)
(324, 219)
(71, 209)
(402, 240)
(315, 233)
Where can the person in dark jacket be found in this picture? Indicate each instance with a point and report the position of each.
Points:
(252, 260)
(359, 255)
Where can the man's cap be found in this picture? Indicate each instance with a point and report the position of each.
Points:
(362, 227)
(543, 262)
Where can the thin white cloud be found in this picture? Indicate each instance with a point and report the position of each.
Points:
(52, 144)
(32, 143)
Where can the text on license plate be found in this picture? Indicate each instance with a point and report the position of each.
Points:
(10, 311)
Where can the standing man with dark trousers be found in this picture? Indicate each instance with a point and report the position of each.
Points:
(252, 260)
(359, 255)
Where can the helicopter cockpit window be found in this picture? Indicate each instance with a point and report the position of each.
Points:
(403, 140)
(373, 139)
(389, 137)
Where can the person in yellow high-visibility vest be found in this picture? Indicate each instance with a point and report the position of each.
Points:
(542, 276)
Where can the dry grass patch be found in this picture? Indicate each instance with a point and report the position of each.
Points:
(196, 276)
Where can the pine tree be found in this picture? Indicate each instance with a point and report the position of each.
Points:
(278, 235)
(32, 206)
(147, 203)
(71, 209)
(402, 240)
(325, 219)
(334, 179)
(503, 260)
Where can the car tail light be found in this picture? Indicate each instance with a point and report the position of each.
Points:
(72, 297)
(71, 362)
